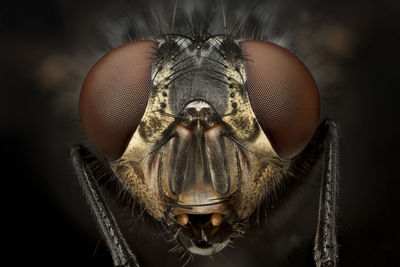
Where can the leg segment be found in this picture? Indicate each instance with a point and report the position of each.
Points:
(326, 248)
(120, 252)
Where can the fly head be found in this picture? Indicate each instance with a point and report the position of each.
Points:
(200, 130)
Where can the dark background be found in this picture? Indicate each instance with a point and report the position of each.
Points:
(46, 48)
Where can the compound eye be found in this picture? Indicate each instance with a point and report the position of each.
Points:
(283, 96)
(114, 97)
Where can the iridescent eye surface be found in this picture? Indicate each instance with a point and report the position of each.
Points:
(283, 96)
(114, 96)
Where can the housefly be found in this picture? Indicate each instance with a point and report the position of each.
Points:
(203, 129)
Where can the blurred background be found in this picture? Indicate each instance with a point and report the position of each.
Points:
(46, 49)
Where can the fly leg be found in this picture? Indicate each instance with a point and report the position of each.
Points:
(326, 248)
(120, 252)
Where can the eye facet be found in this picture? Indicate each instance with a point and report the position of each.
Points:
(114, 96)
(283, 95)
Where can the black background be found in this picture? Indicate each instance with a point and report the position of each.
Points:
(44, 56)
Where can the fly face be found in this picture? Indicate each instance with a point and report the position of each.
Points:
(200, 130)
